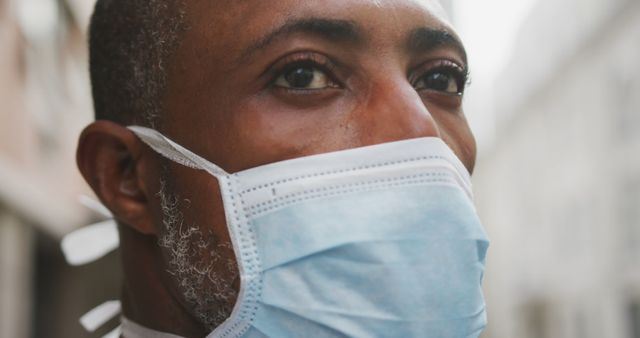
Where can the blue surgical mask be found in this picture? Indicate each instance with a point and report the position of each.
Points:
(379, 241)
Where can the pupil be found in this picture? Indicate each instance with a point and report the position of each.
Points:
(438, 81)
(300, 77)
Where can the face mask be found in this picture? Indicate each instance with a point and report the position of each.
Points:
(380, 241)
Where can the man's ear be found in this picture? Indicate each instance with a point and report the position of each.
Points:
(110, 157)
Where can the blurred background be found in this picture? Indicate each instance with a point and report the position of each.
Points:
(554, 103)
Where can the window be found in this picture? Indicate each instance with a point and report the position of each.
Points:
(634, 319)
(630, 218)
(628, 122)
(535, 320)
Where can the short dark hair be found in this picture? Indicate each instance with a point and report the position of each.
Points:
(130, 44)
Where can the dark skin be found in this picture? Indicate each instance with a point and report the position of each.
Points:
(335, 75)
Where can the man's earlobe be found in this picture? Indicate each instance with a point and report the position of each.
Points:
(112, 161)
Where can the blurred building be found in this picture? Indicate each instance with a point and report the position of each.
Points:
(44, 103)
(559, 188)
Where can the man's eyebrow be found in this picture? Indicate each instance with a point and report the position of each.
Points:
(426, 39)
(328, 29)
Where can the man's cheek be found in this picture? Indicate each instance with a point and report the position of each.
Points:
(201, 264)
(195, 243)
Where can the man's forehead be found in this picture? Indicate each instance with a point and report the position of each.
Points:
(228, 9)
(432, 5)
(237, 19)
(435, 7)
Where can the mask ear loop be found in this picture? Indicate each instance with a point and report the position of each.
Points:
(175, 152)
(92, 242)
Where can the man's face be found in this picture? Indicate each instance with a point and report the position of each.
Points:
(256, 82)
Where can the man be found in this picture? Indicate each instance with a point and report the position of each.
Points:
(244, 84)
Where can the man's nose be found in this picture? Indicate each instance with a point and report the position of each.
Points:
(394, 111)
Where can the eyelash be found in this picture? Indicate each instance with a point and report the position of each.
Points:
(304, 59)
(324, 64)
(460, 74)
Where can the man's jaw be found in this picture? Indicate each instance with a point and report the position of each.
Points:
(202, 275)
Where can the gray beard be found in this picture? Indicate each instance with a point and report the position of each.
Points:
(193, 258)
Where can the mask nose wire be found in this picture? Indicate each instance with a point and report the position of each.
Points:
(175, 152)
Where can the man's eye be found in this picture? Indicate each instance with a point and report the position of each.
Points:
(304, 77)
(440, 80)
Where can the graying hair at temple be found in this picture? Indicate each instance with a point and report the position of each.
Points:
(131, 42)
